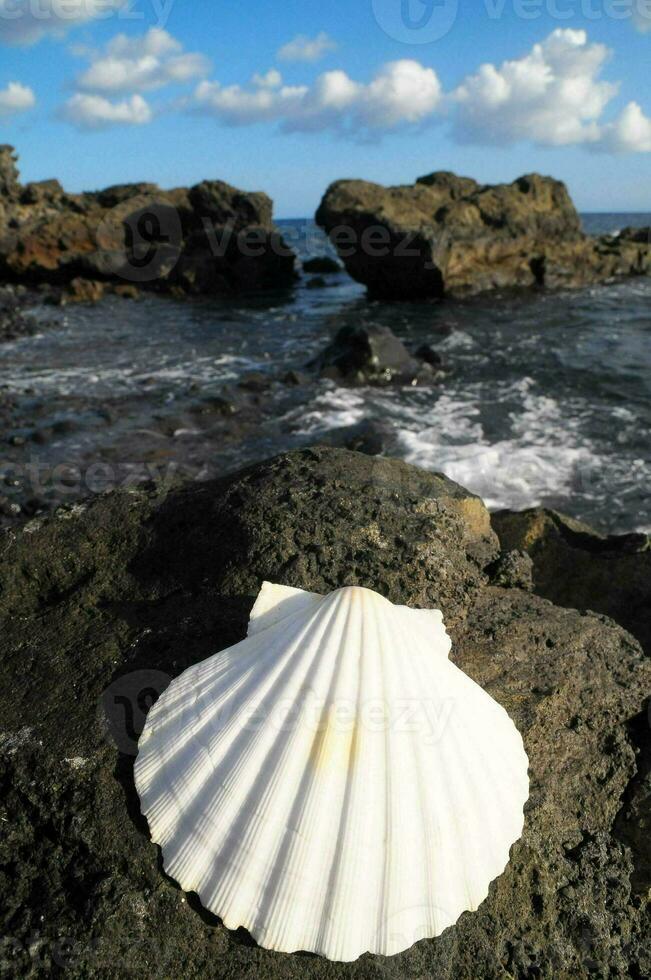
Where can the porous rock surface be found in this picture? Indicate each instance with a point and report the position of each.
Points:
(102, 603)
(574, 565)
(211, 238)
(451, 235)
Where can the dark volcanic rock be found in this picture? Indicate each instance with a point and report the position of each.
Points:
(512, 570)
(427, 354)
(15, 321)
(575, 566)
(640, 235)
(322, 265)
(451, 235)
(15, 324)
(101, 604)
(226, 205)
(295, 379)
(212, 238)
(370, 355)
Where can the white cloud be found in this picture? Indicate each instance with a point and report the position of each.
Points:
(629, 133)
(27, 21)
(403, 92)
(97, 112)
(16, 98)
(273, 79)
(141, 64)
(552, 96)
(303, 48)
(238, 106)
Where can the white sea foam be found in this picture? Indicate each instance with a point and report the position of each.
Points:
(544, 457)
(83, 379)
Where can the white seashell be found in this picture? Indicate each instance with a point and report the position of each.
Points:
(333, 783)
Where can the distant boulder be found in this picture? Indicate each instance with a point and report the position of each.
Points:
(449, 235)
(370, 355)
(211, 238)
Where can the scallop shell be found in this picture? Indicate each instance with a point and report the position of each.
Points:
(333, 783)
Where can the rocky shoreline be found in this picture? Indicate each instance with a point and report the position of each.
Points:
(104, 602)
(443, 236)
(211, 238)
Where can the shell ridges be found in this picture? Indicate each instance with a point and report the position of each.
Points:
(333, 783)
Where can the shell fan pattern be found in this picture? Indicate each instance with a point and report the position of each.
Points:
(333, 783)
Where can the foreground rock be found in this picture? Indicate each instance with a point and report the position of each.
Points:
(212, 238)
(103, 603)
(449, 235)
(573, 565)
(372, 355)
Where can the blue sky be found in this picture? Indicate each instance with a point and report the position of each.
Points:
(288, 96)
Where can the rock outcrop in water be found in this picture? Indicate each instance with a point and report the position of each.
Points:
(212, 238)
(449, 235)
(371, 355)
(104, 602)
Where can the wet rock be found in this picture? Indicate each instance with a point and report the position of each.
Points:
(322, 265)
(449, 235)
(15, 324)
(102, 603)
(427, 354)
(255, 381)
(317, 282)
(221, 402)
(370, 355)
(296, 378)
(64, 427)
(574, 565)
